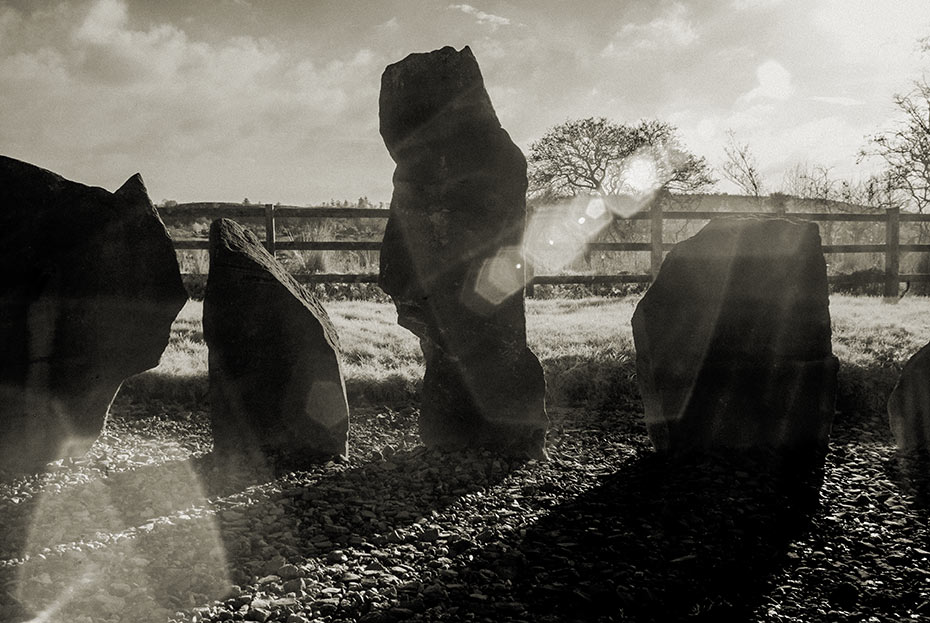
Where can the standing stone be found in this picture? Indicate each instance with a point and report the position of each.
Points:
(451, 257)
(91, 286)
(909, 404)
(733, 342)
(276, 385)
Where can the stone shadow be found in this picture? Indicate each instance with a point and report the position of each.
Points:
(385, 501)
(266, 517)
(910, 471)
(661, 540)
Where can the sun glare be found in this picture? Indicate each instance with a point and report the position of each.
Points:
(101, 546)
(642, 174)
(595, 208)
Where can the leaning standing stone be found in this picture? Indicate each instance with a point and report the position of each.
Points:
(90, 288)
(909, 404)
(451, 257)
(733, 340)
(276, 385)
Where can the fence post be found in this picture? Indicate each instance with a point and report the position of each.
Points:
(269, 228)
(655, 237)
(529, 288)
(892, 255)
(779, 202)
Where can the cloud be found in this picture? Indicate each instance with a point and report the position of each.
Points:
(773, 82)
(106, 19)
(10, 21)
(873, 33)
(778, 138)
(157, 100)
(828, 141)
(671, 29)
(838, 101)
(483, 18)
(162, 69)
(748, 5)
(105, 50)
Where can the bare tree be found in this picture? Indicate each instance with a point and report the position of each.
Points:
(595, 155)
(906, 149)
(812, 182)
(906, 152)
(878, 192)
(740, 166)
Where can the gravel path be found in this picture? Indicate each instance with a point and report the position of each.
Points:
(150, 527)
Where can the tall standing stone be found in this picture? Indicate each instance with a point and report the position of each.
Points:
(451, 257)
(733, 340)
(91, 286)
(909, 404)
(276, 385)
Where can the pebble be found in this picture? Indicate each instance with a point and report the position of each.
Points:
(355, 543)
(289, 572)
(430, 535)
(257, 614)
(296, 585)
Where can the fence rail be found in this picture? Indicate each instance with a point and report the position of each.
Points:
(891, 218)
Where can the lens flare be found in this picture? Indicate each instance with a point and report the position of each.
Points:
(499, 278)
(557, 235)
(626, 205)
(120, 546)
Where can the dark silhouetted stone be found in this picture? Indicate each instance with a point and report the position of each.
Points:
(91, 286)
(733, 340)
(276, 386)
(451, 257)
(909, 404)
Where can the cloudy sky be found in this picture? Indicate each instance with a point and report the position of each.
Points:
(277, 100)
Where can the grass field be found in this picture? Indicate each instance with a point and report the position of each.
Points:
(585, 346)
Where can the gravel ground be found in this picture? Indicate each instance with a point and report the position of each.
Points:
(149, 526)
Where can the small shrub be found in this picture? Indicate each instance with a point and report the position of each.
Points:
(196, 286)
(866, 282)
(349, 292)
(582, 291)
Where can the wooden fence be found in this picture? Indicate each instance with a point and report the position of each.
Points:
(892, 249)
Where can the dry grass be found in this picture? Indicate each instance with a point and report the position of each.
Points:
(382, 360)
(586, 349)
(585, 346)
(873, 341)
(869, 333)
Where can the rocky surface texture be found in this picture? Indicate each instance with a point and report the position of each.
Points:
(148, 527)
(733, 340)
(450, 257)
(276, 385)
(909, 405)
(91, 286)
